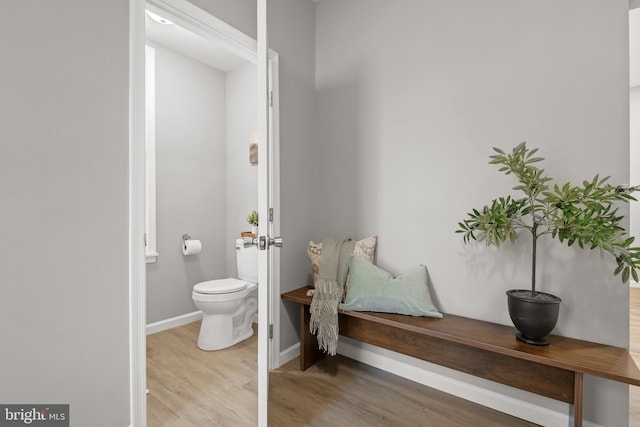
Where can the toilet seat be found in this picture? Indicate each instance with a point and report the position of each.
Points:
(220, 286)
(224, 296)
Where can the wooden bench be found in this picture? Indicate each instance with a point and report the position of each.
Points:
(484, 349)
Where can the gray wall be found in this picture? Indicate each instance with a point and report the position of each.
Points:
(411, 97)
(240, 14)
(292, 35)
(242, 177)
(191, 185)
(453, 85)
(64, 207)
(65, 165)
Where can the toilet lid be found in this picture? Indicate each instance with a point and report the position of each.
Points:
(220, 286)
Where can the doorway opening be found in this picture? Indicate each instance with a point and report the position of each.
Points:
(190, 38)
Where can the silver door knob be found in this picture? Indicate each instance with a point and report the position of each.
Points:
(250, 241)
(275, 241)
(265, 242)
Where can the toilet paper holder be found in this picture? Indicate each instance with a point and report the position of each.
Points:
(185, 237)
(190, 246)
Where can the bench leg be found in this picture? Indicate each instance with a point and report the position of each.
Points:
(577, 399)
(309, 351)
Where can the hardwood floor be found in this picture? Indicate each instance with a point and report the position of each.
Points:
(191, 387)
(338, 391)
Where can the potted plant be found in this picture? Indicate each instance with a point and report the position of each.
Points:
(585, 215)
(253, 220)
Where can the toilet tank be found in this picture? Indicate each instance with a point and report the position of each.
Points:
(247, 262)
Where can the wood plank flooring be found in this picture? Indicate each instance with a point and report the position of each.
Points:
(190, 387)
(338, 391)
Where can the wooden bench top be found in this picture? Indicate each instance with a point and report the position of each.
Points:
(613, 363)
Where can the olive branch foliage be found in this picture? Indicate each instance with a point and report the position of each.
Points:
(586, 215)
(252, 218)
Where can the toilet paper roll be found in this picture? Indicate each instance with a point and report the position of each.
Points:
(191, 247)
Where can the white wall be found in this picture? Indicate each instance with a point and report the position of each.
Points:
(634, 115)
(242, 177)
(64, 207)
(412, 95)
(191, 185)
(634, 97)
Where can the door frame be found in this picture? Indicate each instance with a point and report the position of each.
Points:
(203, 23)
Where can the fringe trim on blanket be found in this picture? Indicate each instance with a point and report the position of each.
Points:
(324, 314)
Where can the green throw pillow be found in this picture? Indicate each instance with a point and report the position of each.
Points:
(371, 288)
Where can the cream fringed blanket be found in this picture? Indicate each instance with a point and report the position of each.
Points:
(329, 288)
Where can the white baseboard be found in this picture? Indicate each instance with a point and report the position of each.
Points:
(509, 400)
(173, 322)
(551, 414)
(289, 354)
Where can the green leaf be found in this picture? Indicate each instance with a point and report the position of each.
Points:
(586, 214)
(618, 269)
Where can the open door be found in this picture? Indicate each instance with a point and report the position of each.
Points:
(263, 208)
(267, 177)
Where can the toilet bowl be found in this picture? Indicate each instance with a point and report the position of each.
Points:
(229, 306)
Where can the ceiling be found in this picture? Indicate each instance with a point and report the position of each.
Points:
(211, 52)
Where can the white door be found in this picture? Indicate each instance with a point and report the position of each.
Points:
(267, 182)
(263, 212)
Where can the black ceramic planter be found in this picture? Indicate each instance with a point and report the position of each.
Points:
(533, 317)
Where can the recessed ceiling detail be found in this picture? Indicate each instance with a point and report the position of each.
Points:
(209, 51)
(159, 19)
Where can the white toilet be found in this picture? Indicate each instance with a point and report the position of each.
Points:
(230, 306)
